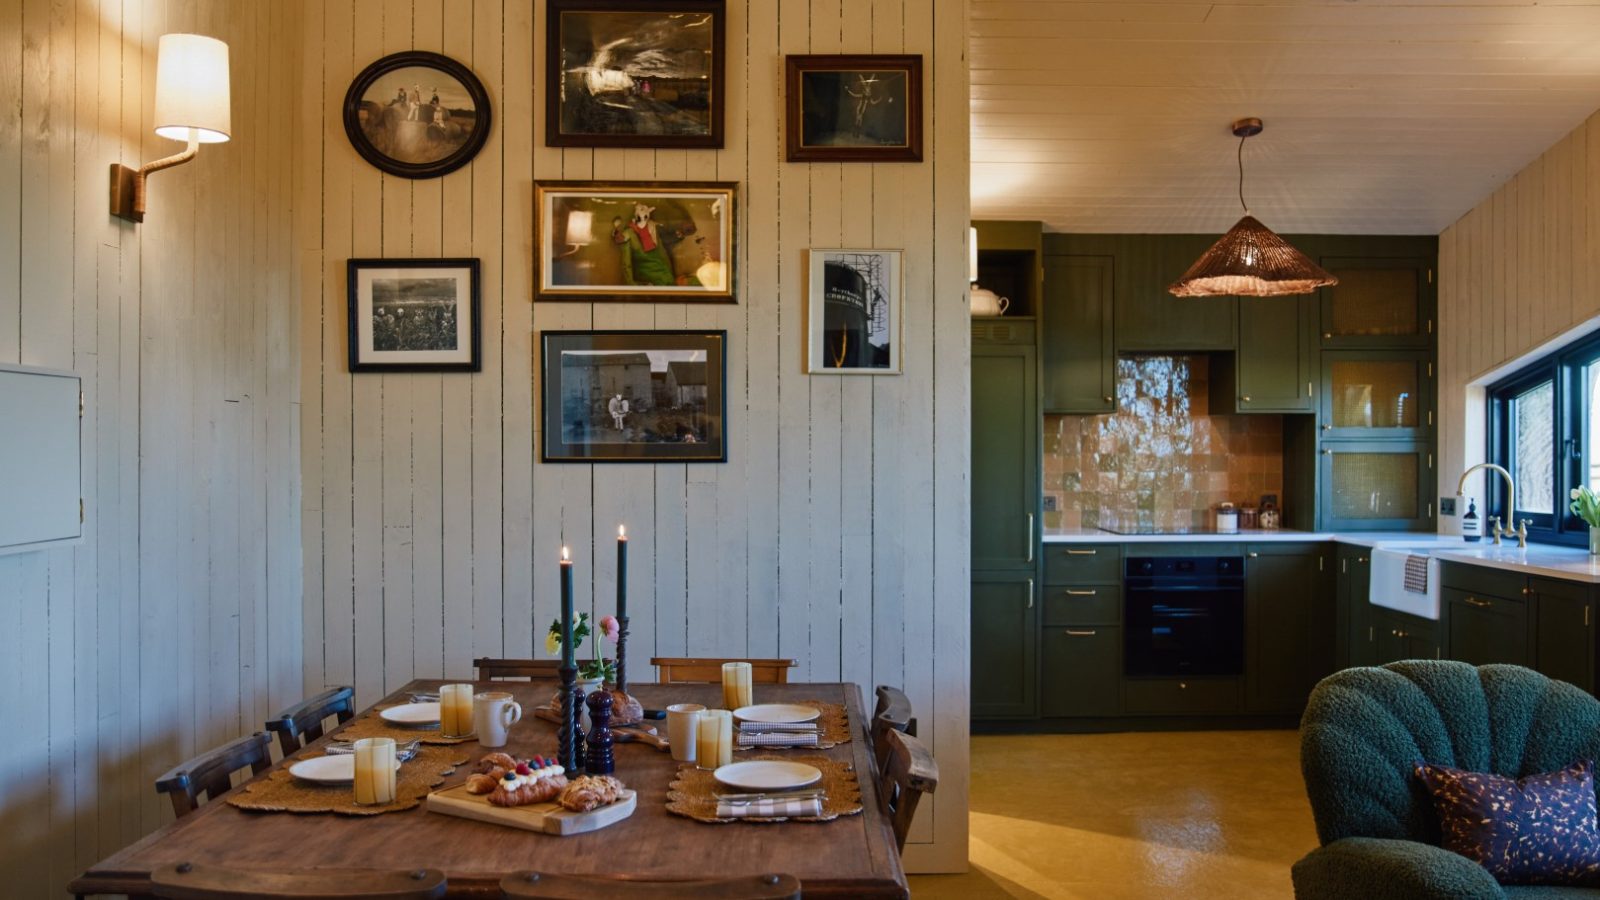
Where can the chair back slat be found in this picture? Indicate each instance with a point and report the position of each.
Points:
(892, 713)
(544, 886)
(303, 723)
(196, 881)
(490, 669)
(908, 773)
(210, 774)
(708, 670)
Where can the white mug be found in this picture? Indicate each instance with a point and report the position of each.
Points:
(493, 714)
(683, 720)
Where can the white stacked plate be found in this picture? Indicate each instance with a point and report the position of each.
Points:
(411, 714)
(777, 713)
(764, 776)
(339, 768)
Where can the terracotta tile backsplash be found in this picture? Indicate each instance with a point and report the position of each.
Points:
(1162, 459)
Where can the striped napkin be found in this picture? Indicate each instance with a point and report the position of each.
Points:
(777, 739)
(779, 726)
(769, 809)
(1416, 576)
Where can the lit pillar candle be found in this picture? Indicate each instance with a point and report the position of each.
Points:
(567, 653)
(622, 572)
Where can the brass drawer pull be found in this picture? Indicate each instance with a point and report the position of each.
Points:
(1081, 632)
(1481, 604)
(1088, 593)
(1082, 552)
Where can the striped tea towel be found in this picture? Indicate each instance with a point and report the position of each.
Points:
(769, 809)
(1416, 577)
(779, 726)
(776, 739)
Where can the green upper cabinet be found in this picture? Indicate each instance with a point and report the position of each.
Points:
(1079, 359)
(1375, 486)
(1381, 301)
(1289, 616)
(1377, 394)
(1005, 453)
(1150, 318)
(1275, 367)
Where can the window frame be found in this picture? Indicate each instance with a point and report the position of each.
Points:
(1564, 369)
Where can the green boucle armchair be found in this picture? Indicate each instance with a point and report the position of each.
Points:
(1363, 731)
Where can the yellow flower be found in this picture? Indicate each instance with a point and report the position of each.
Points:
(552, 643)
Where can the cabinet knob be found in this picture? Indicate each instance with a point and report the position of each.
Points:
(1245, 398)
(1106, 398)
(1327, 335)
(1183, 685)
(1327, 426)
(1327, 453)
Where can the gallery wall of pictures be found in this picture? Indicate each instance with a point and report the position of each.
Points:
(832, 532)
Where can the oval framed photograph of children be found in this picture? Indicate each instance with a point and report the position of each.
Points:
(417, 114)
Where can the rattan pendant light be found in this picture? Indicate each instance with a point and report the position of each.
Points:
(1250, 260)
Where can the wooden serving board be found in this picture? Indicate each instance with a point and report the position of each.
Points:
(549, 818)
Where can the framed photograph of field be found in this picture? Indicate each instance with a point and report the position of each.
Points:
(634, 73)
(413, 315)
(853, 108)
(417, 114)
(635, 241)
(853, 312)
(634, 396)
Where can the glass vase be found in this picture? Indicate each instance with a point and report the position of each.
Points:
(1594, 540)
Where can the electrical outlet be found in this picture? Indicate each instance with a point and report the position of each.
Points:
(1049, 502)
(1447, 506)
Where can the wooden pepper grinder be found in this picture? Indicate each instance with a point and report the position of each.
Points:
(600, 760)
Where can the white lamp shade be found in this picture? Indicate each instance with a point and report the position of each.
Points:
(192, 89)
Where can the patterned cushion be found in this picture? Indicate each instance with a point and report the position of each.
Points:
(1539, 829)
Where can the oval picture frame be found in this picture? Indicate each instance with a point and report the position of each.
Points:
(355, 105)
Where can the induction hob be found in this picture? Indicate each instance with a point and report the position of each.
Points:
(1158, 529)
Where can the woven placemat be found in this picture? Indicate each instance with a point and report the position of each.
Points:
(833, 728)
(282, 792)
(692, 792)
(371, 726)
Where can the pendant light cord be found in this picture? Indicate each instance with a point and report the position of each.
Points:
(1246, 206)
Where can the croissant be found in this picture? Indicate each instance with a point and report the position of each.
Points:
(482, 784)
(502, 761)
(590, 792)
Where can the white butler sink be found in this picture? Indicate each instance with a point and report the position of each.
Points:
(1388, 584)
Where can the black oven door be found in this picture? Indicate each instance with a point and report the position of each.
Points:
(1190, 629)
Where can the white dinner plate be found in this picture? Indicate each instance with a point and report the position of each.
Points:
(412, 714)
(776, 712)
(768, 775)
(339, 768)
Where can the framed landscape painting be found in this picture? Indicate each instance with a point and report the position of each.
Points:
(854, 108)
(634, 73)
(634, 396)
(413, 315)
(853, 312)
(635, 241)
(417, 114)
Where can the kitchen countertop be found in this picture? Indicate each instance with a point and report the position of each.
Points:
(1568, 563)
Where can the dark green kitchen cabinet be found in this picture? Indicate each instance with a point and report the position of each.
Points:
(1377, 395)
(1148, 317)
(1380, 300)
(1005, 454)
(1081, 670)
(1563, 630)
(1289, 616)
(1079, 357)
(1005, 637)
(1393, 636)
(1485, 629)
(1276, 363)
(1354, 585)
(1375, 486)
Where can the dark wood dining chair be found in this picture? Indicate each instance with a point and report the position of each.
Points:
(908, 772)
(302, 723)
(490, 669)
(211, 773)
(708, 670)
(543, 886)
(892, 713)
(194, 881)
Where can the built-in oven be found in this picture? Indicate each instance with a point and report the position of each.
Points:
(1183, 615)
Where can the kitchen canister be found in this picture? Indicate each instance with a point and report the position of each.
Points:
(1227, 519)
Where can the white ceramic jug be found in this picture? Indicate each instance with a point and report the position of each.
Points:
(987, 303)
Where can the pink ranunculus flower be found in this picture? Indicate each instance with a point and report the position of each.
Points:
(610, 627)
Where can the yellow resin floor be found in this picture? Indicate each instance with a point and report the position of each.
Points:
(1124, 816)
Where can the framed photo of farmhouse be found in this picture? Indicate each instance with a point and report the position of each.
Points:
(413, 315)
(853, 312)
(634, 241)
(634, 73)
(634, 396)
(417, 114)
(853, 108)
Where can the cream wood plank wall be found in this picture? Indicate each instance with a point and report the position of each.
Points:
(1518, 274)
(176, 624)
(837, 532)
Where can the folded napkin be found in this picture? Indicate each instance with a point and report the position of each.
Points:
(777, 739)
(1416, 577)
(778, 726)
(769, 809)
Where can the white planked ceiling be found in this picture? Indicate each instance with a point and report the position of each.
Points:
(1382, 116)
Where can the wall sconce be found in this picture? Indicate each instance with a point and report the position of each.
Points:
(191, 105)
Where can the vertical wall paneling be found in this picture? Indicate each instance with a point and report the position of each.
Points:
(836, 532)
(176, 623)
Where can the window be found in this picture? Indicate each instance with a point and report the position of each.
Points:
(1545, 429)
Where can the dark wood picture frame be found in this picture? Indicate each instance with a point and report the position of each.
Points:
(797, 67)
(555, 76)
(712, 444)
(472, 331)
(353, 106)
(549, 234)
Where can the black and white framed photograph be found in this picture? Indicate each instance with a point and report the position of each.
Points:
(417, 114)
(853, 312)
(860, 108)
(634, 396)
(413, 315)
(635, 73)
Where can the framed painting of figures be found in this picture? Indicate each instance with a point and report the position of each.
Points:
(853, 108)
(635, 242)
(417, 114)
(634, 73)
(413, 315)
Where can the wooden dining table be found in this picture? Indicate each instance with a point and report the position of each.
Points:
(852, 856)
